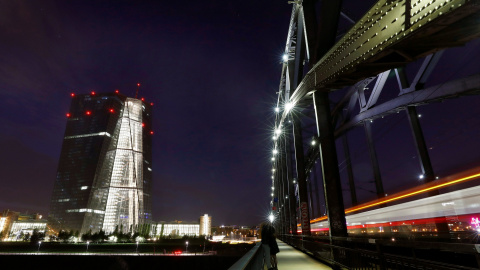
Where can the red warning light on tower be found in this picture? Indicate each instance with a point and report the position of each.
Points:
(143, 124)
(143, 99)
(138, 84)
(68, 114)
(116, 91)
(93, 93)
(88, 112)
(72, 94)
(112, 110)
(151, 104)
(151, 132)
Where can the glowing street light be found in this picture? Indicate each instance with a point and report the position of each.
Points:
(271, 217)
(288, 106)
(278, 131)
(186, 247)
(137, 247)
(313, 142)
(277, 109)
(39, 243)
(275, 151)
(285, 57)
(421, 176)
(88, 243)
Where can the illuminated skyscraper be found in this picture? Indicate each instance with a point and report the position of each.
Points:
(104, 174)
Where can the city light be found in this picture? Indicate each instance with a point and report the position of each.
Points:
(285, 57)
(421, 176)
(313, 142)
(93, 93)
(278, 131)
(88, 112)
(277, 109)
(68, 115)
(72, 94)
(275, 151)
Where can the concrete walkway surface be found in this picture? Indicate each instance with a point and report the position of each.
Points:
(291, 259)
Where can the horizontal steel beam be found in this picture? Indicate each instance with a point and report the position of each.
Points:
(452, 89)
(391, 34)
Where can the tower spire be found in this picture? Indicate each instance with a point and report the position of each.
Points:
(138, 88)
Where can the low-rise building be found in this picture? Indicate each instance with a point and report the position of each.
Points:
(15, 225)
(179, 229)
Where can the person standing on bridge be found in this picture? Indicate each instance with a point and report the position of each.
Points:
(273, 249)
(269, 245)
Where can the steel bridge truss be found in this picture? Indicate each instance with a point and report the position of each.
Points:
(390, 35)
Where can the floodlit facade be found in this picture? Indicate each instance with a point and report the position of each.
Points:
(175, 230)
(104, 174)
(178, 229)
(23, 227)
(3, 223)
(205, 225)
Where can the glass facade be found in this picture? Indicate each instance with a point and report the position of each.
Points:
(104, 173)
(176, 230)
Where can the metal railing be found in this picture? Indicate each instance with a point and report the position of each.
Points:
(354, 253)
(252, 260)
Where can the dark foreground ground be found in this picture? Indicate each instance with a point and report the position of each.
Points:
(120, 256)
(115, 262)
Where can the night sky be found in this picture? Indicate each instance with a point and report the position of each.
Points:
(211, 68)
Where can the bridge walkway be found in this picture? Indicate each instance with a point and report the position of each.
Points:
(290, 258)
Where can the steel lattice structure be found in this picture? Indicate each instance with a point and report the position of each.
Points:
(390, 35)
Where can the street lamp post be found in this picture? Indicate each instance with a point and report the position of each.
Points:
(39, 243)
(137, 247)
(88, 242)
(186, 248)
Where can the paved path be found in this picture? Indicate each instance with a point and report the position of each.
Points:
(291, 259)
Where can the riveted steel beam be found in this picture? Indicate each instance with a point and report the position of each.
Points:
(391, 34)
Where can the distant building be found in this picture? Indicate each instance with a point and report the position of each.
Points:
(205, 225)
(14, 225)
(104, 173)
(178, 229)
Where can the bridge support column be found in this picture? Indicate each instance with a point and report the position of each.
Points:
(302, 185)
(284, 189)
(351, 181)
(328, 157)
(291, 201)
(373, 158)
(424, 157)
